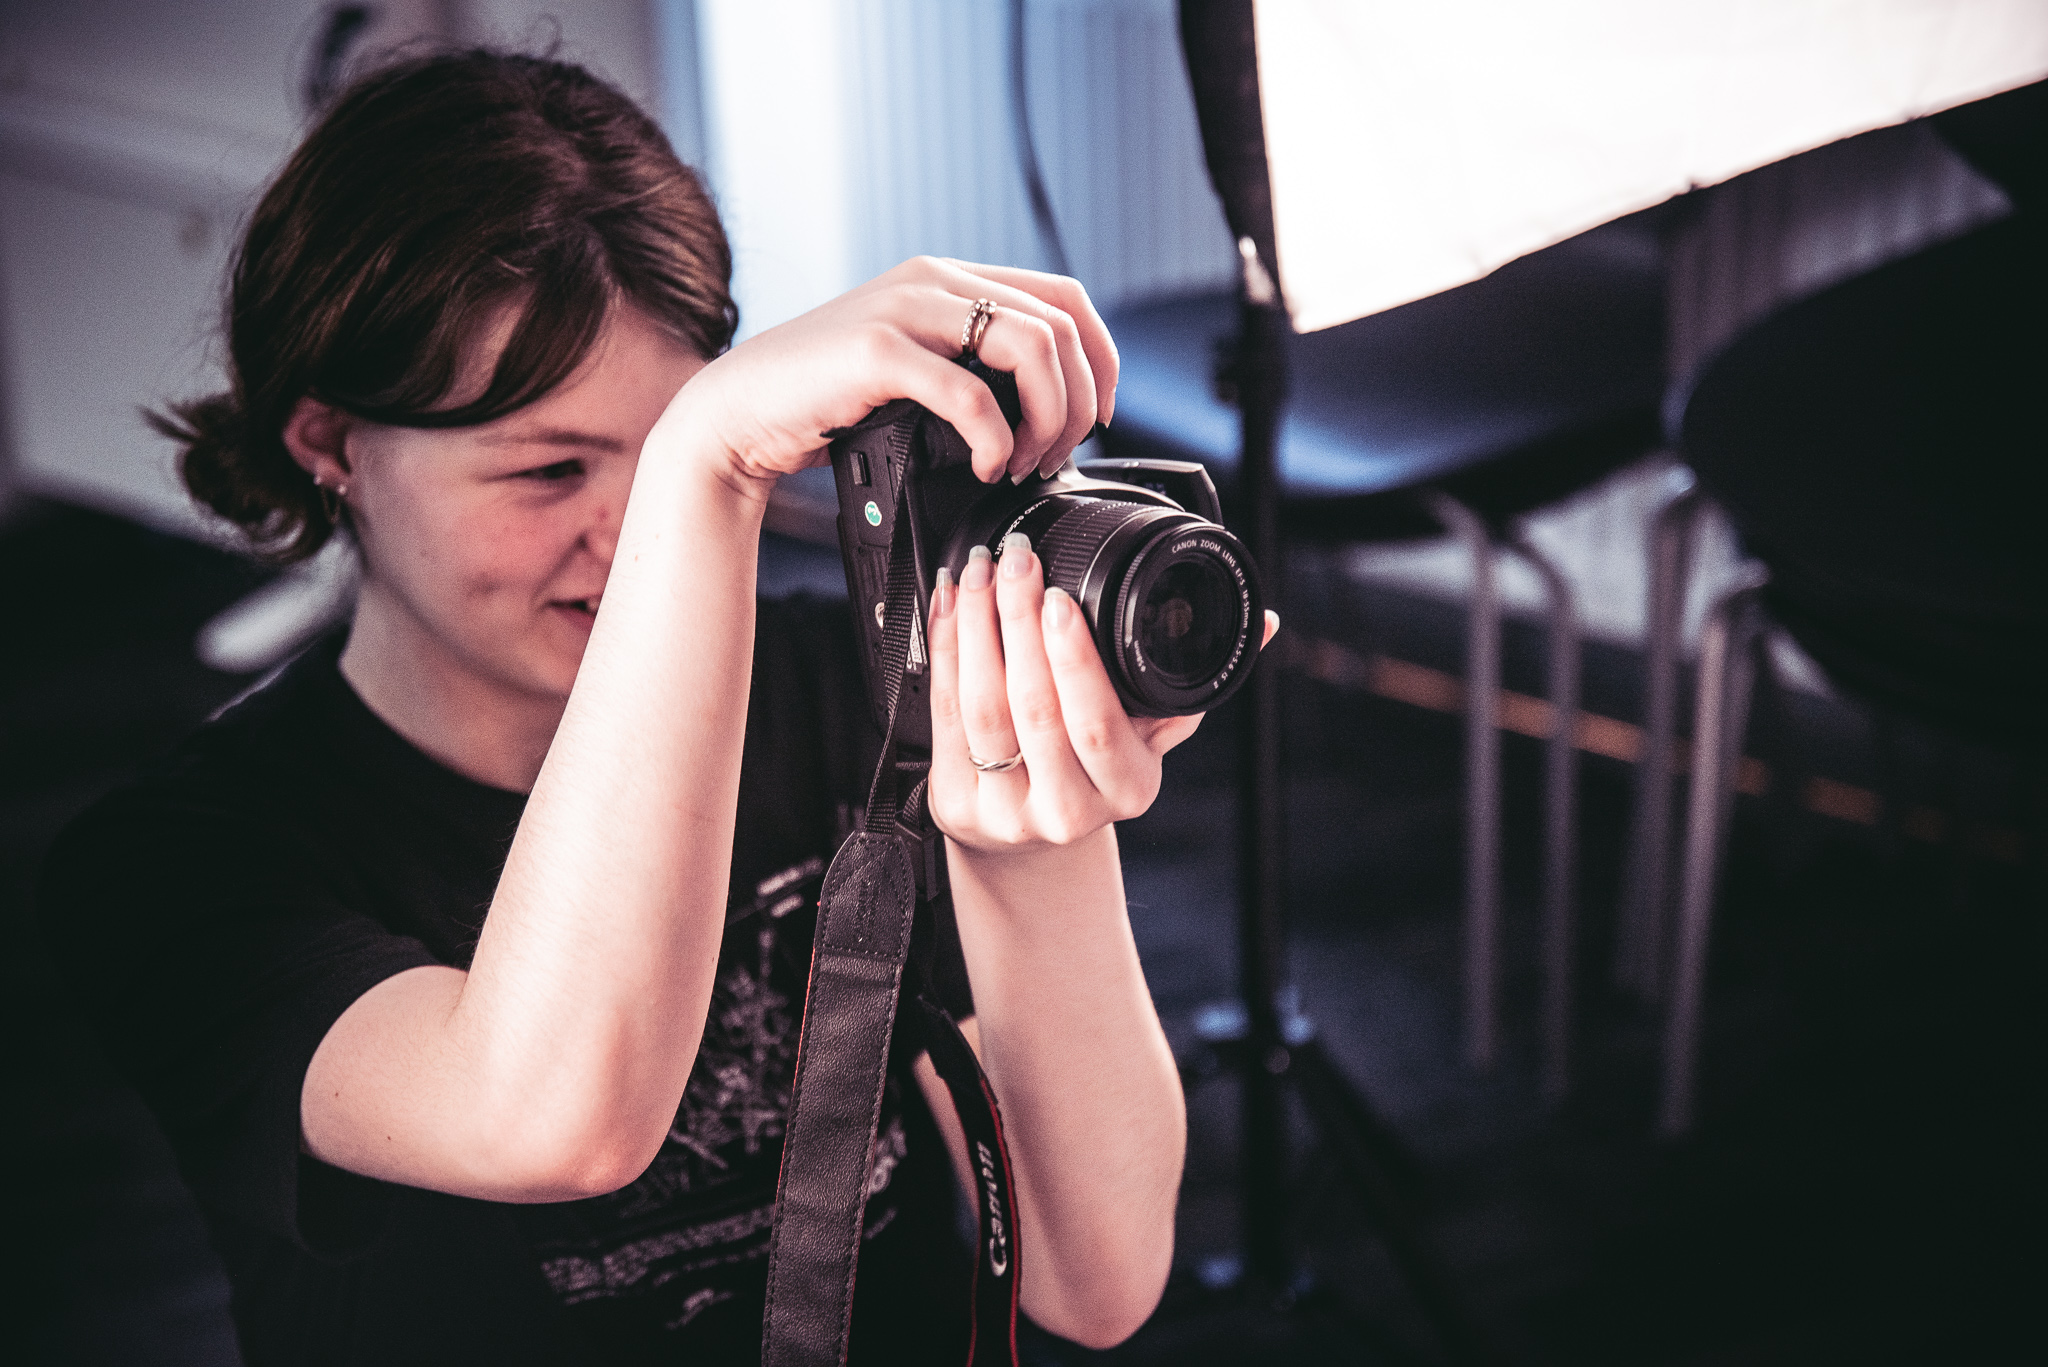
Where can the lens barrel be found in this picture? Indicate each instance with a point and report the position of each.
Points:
(1171, 597)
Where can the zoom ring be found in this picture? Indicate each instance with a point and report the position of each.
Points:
(1069, 545)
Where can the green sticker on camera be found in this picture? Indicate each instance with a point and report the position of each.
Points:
(874, 514)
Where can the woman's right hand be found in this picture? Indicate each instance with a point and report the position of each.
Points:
(765, 406)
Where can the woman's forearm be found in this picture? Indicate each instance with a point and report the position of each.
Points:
(555, 1067)
(1090, 1094)
(594, 970)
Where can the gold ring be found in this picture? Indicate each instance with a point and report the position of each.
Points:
(975, 328)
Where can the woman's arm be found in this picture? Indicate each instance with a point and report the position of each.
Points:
(1090, 1094)
(553, 1068)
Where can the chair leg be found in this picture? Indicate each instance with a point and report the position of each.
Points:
(1560, 824)
(1726, 672)
(1640, 936)
(1482, 781)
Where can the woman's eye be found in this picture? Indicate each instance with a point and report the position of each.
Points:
(560, 470)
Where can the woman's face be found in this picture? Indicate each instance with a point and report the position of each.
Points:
(488, 547)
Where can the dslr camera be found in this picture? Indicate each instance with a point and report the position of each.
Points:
(1172, 598)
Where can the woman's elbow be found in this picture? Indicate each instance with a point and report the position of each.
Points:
(1109, 1309)
(1103, 1327)
(598, 1174)
(543, 1169)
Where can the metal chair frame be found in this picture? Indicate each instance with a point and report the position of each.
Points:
(1661, 948)
(1483, 803)
(1727, 674)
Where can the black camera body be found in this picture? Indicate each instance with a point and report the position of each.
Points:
(1171, 596)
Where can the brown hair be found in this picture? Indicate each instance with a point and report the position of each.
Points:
(431, 192)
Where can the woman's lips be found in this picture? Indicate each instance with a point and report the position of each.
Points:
(583, 610)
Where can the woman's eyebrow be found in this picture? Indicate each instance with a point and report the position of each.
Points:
(557, 436)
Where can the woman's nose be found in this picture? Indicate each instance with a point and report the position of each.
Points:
(602, 533)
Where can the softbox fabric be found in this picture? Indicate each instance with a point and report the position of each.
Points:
(1414, 147)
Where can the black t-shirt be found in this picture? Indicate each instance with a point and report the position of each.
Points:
(219, 915)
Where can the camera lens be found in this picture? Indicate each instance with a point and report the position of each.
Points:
(1171, 596)
(1187, 623)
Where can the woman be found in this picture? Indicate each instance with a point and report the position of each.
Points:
(421, 951)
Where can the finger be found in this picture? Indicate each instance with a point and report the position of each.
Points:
(1076, 368)
(1013, 340)
(984, 699)
(1065, 804)
(1069, 297)
(952, 775)
(1024, 338)
(1107, 743)
(1272, 626)
(1027, 348)
(897, 366)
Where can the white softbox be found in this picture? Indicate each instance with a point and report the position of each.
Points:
(1413, 147)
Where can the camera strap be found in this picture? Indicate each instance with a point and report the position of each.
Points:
(878, 898)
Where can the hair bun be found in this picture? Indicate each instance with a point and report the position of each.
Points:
(254, 484)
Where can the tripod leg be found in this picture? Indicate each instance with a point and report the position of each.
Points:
(1358, 1142)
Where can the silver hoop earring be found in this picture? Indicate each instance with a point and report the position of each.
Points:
(330, 500)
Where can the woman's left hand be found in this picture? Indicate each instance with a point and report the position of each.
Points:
(1064, 1024)
(1015, 672)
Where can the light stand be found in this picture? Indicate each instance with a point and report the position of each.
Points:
(1259, 371)
(1269, 1044)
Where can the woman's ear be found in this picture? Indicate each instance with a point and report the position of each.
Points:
(316, 434)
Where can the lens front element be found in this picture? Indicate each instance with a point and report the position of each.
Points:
(1187, 622)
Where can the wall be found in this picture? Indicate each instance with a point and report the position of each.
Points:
(844, 137)
(134, 139)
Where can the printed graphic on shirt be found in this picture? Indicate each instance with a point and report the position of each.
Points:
(692, 1228)
(738, 1091)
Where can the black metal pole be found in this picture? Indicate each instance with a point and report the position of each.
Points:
(1261, 376)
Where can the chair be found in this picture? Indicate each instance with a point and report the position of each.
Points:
(1878, 446)
(1455, 413)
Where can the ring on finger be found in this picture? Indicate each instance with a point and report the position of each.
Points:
(995, 766)
(975, 328)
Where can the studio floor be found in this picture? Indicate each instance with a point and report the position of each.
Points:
(1863, 1185)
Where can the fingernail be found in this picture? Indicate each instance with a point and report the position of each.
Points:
(1057, 607)
(979, 574)
(942, 593)
(1016, 555)
(1023, 474)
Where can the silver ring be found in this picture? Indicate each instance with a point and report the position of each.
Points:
(996, 766)
(975, 328)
